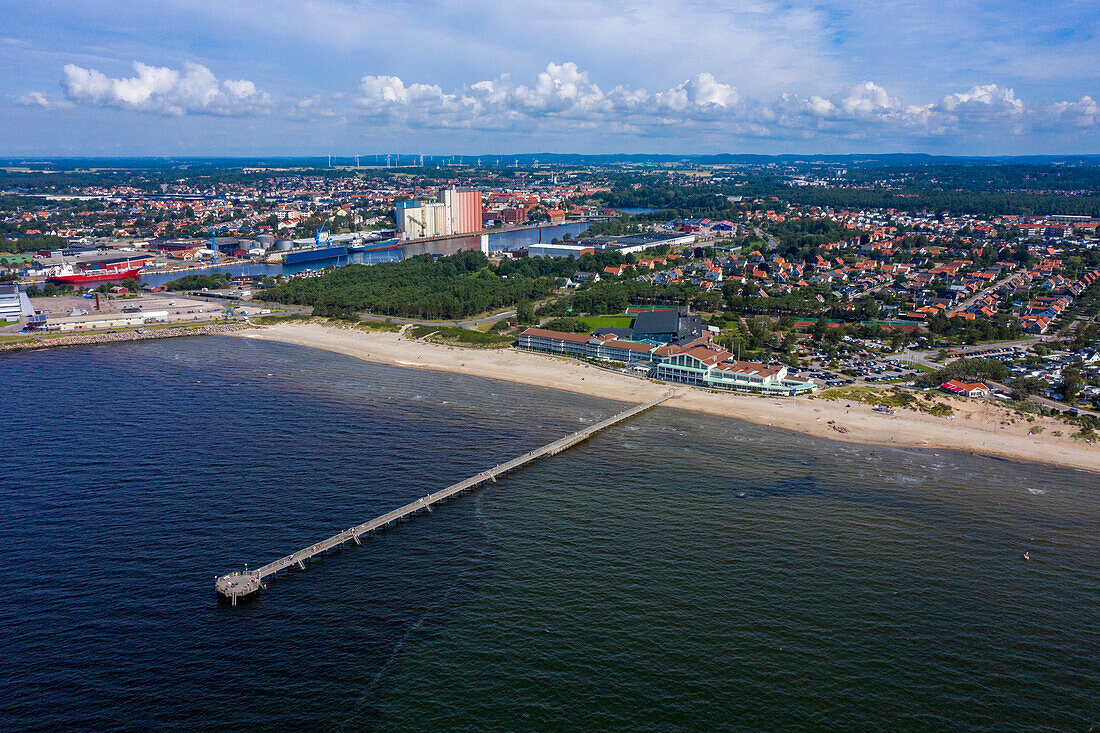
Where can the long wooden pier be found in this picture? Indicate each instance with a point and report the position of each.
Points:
(241, 583)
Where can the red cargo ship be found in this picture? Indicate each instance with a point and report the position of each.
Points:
(66, 274)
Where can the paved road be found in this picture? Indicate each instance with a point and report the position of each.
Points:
(982, 293)
(773, 243)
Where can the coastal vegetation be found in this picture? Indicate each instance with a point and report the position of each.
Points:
(455, 336)
(457, 286)
(200, 281)
(363, 325)
(965, 370)
(895, 397)
(48, 290)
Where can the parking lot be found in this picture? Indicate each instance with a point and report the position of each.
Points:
(180, 309)
(851, 366)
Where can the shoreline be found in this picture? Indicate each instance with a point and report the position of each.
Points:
(977, 427)
(89, 338)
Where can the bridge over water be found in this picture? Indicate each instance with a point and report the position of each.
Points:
(242, 583)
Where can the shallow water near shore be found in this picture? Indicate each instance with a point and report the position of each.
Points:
(679, 571)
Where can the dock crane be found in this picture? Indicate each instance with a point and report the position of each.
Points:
(213, 232)
(423, 228)
(319, 232)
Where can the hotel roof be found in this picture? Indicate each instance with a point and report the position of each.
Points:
(748, 367)
(577, 338)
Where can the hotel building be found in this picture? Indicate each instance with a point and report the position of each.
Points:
(697, 362)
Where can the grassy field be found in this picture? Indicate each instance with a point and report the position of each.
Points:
(733, 329)
(595, 322)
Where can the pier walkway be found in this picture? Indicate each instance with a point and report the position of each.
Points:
(238, 584)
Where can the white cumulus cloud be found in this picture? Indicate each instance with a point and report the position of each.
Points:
(380, 90)
(867, 98)
(563, 99)
(159, 89)
(561, 87)
(561, 91)
(39, 99)
(1085, 112)
(701, 92)
(983, 99)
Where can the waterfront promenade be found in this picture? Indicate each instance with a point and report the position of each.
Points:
(238, 584)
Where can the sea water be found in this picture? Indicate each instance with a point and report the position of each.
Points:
(677, 572)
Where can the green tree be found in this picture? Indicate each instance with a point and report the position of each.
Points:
(1024, 387)
(525, 312)
(1071, 382)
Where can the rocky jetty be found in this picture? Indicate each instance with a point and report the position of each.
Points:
(83, 339)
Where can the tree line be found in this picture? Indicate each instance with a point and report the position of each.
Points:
(457, 286)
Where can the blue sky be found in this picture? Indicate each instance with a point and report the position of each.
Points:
(194, 77)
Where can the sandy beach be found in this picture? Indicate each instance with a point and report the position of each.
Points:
(977, 426)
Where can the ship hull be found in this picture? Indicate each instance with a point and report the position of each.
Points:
(315, 255)
(81, 278)
(376, 246)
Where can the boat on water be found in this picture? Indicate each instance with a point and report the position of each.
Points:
(376, 246)
(313, 255)
(67, 275)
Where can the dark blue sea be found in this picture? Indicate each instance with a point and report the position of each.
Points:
(676, 573)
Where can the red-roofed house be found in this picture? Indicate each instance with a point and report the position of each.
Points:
(965, 389)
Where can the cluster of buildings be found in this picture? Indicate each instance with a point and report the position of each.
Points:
(915, 266)
(14, 304)
(672, 346)
(1050, 367)
(280, 202)
(623, 244)
(1035, 313)
(456, 211)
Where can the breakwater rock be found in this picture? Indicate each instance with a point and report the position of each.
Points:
(83, 339)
